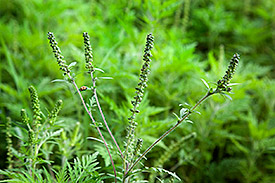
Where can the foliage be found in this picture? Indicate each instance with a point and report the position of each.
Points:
(193, 40)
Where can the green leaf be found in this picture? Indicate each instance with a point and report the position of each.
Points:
(205, 83)
(72, 64)
(188, 121)
(183, 112)
(224, 94)
(196, 112)
(59, 80)
(233, 84)
(98, 69)
(105, 78)
(176, 116)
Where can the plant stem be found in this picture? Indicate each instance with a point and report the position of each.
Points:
(168, 131)
(102, 115)
(93, 120)
(125, 164)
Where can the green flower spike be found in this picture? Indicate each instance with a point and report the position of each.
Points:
(31, 134)
(35, 106)
(57, 53)
(24, 117)
(223, 84)
(138, 147)
(145, 71)
(55, 111)
(88, 52)
(9, 144)
(75, 134)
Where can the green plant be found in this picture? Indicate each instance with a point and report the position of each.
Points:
(42, 130)
(38, 137)
(130, 158)
(234, 139)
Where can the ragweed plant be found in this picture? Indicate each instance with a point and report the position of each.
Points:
(223, 86)
(129, 149)
(35, 133)
(41, 129)
(89, 66)
(9, 143)
(40, 136)
(131, 155)
(66, 70)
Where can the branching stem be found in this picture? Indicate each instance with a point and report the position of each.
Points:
(94, 122)
(102, 115)
(168, 132)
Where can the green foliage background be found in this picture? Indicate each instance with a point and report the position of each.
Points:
(235, 139)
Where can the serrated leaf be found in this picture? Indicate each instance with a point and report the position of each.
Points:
(102, 151)
(205, 83)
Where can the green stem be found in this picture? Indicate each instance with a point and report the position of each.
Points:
(168, 131)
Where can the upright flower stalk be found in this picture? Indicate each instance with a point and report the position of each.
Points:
(65, 68)
(9, 144)
(131, 155)
(222, 86)
(58, 55)
(53, 115)
(90, 68)
(145, 71)
(35, 106)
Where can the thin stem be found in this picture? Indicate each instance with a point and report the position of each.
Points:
(93, 120)
(167, 132)
(102, 115)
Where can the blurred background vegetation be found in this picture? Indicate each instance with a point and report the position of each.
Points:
(193, 39)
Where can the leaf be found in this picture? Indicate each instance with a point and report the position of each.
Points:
(224, 94)
(84, 170)
(176, 116)
(161, 170)
(59, 80)
(183, 112)
(72, 64)
(103, 153)
(188, 121)
(239, 146)
(105, 78)
(98, 69)
(185, 104)
(233, 84)
(197, 112)
(96, 139)
(205, 83)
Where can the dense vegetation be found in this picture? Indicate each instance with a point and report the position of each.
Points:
(229, 141)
